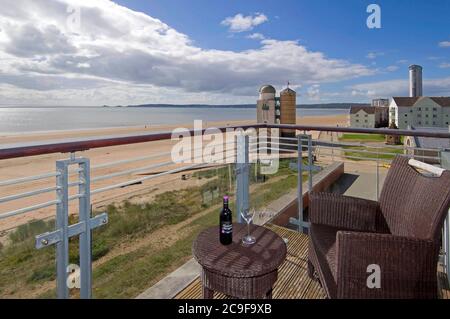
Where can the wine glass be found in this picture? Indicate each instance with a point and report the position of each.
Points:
(248, 215)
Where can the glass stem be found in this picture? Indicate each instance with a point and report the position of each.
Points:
(248, 229)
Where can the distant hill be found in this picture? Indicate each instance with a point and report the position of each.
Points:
(250, 106)
(331, 105)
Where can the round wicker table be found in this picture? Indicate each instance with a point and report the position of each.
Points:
(238, 271)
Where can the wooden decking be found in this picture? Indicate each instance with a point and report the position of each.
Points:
(293, 281)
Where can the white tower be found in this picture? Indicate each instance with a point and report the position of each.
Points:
(415, 81)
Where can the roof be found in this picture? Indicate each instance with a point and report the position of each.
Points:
(432, 142)
(415, 66)
(405, 101)
(267, 89)
(367, 109)
(443, 101)
(287, 91)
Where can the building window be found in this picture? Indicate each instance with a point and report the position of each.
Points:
(357, 121)
(426, 115)
(406, 114)
(446, 123)
(365, 115)
(406, 122)
(434, 115)
(357, 115)
(419, 115)
(410, 111)
(420, 123)
(426, 109)
(426, 123)
(420, 109)
(365, 121)
(434, 109)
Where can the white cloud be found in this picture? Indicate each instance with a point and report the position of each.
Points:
(313, 92)
(374, 55)
(392, 68)
(241, 23)
(444, 65)
(444, 44)
(122, 55)
(432, 87)
(83, 65)
(256, 36)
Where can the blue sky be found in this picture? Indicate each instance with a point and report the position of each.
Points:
(324, 48)
(410, 33)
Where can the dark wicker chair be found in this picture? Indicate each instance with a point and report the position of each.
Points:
(400, 233)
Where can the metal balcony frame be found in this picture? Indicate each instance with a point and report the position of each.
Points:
(86, 223)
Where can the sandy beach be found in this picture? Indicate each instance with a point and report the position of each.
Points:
(29, 166)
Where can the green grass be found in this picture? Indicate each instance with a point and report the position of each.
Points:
(23, 268)
(128, 275)
(362, 138)
(353, 151)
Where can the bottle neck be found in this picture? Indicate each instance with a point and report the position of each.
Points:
(225, 203)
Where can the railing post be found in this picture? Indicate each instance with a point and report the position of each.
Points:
(332, 146)
(377, 177)
(64, 231)
(310, 164)
(85, 236)
(62, 224)
(300, 182)
(242, 176)
(301, 224)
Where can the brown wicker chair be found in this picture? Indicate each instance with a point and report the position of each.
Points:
(400, 233)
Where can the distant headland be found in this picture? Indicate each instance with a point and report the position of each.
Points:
(249, 106)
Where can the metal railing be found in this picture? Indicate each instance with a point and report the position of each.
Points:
(244, 149)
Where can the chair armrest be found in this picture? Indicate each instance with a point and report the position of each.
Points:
(407, 266)
(343, 211)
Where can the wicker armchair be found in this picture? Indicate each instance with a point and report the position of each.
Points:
(400, 233)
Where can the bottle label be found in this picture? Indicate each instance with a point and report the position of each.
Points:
(227, 228)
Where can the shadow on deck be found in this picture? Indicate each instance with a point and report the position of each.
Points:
(293, 281)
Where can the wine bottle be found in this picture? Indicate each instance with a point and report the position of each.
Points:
(226, 224)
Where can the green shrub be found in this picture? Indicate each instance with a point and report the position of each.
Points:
(30, 229)
(42, 274)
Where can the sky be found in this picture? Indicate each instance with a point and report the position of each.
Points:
(97, 52)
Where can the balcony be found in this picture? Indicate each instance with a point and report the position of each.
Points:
(144, 210)
(293, 281)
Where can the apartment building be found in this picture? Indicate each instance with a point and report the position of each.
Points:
(368, 116)
(420, 111)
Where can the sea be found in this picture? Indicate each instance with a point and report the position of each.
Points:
(14, 120)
